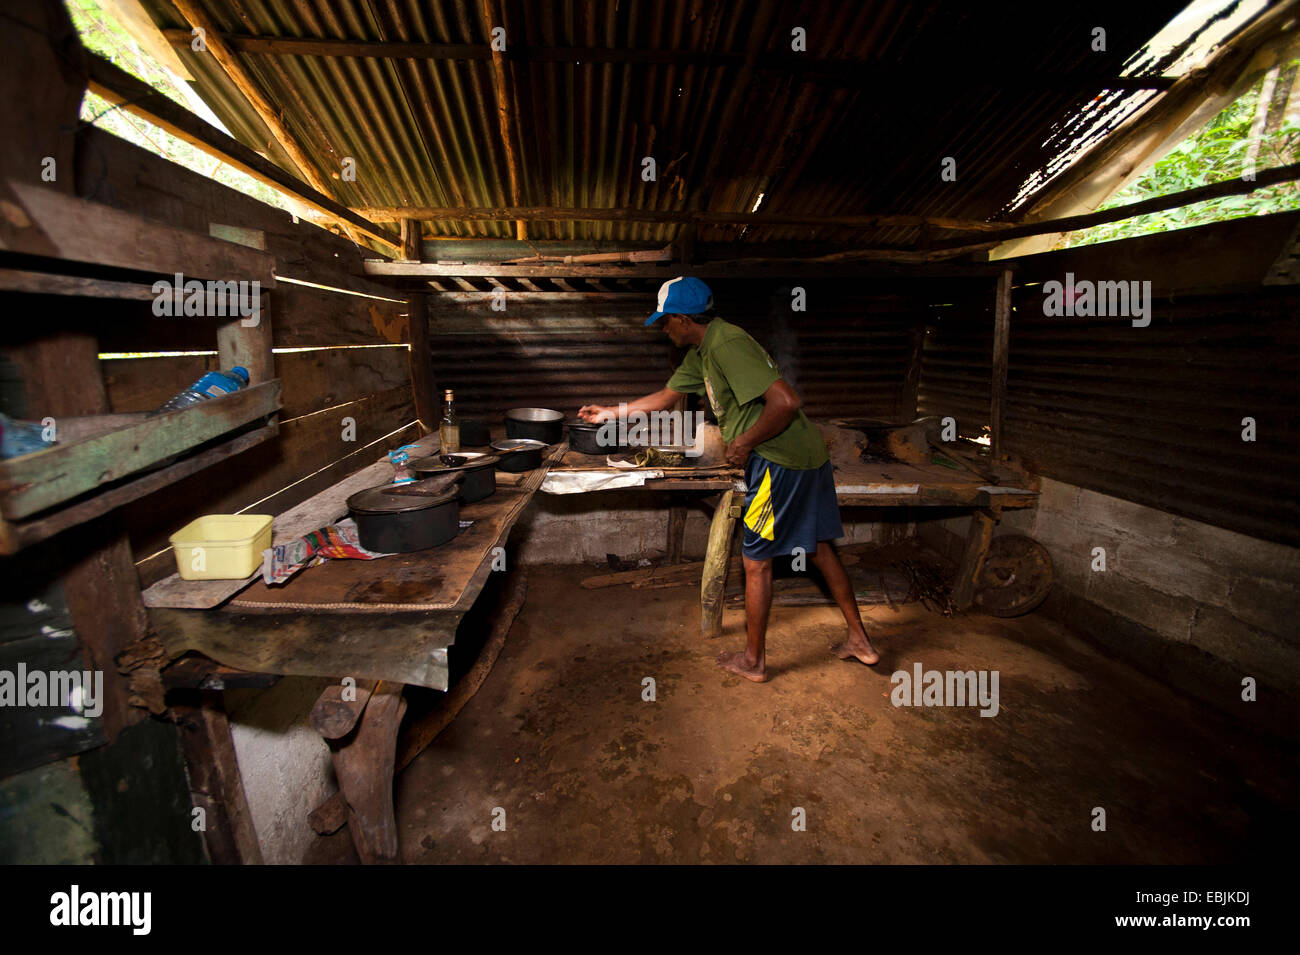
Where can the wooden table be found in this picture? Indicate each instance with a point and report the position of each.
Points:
(385, 623)
(858, 483)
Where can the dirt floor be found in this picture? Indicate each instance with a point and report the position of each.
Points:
(715, 769)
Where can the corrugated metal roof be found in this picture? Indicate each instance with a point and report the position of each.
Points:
(857, 124)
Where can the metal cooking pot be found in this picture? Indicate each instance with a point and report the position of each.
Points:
(538, 424)
(401, 518)
(584, 438)
(480, 471)
(519, 454)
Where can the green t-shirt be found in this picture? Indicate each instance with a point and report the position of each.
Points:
(734, 371)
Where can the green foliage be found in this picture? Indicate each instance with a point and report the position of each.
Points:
(102, 35)
(1215, 153)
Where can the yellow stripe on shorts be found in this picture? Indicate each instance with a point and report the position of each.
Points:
(759, 517)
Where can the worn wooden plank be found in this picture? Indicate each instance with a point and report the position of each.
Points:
(34, 482)
(1215, 258)
(60, 377)
(215, 782)
(14, 536)
(48, 283)
(306, 316)
(247, 344)
(972, 562)
(399, 646)
(48, 223)
(1001, 337)
(337, 709)
(120, 174)
(363, 765)
(420, 358)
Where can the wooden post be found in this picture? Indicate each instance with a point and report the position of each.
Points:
(978, 539)
(412, 234)
(907, 400)
(62, 378)
(716, 560)
(1001, 335)
(676, 532)
(249, 345)
(423, 386)
(363, 763)
(215, 783)
(503, 86)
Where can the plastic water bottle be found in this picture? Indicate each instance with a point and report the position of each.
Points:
(399, 459)
(21, 437)
(212, 385)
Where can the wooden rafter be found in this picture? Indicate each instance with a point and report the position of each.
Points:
(556, 214)
(248, 87)
(1215, 190)
(138, 98)
(494, 16)
(844, 71)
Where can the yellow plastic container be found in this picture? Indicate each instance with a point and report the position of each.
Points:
(221, 546)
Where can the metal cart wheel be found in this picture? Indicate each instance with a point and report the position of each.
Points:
(1016, 577)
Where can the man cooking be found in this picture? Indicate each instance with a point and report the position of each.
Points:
(790, 501)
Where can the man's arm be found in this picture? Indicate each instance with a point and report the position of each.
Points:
(780, 405)
(661, 400)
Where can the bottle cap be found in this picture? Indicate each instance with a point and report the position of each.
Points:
(240, 371)
(447, 394)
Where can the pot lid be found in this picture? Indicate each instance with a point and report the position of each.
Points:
(473, 461)
(510, 445)
(383, 500)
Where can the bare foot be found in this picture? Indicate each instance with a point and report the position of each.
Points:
(858, 647)
(737, 664)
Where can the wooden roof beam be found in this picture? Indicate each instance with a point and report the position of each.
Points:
(1215, 190)
(556, 214)
(140, 99)
(846, 71)
(247, 85)
(504, 89)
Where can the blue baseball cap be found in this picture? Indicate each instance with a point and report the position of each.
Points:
(683, 295)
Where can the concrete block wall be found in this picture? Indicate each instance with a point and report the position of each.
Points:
(1200, 606)
(284, 763)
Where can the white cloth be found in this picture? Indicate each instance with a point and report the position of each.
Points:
(580, 482)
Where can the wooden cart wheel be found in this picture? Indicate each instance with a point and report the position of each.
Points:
(1016, 577)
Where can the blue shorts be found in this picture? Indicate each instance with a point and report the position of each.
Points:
(786, 508)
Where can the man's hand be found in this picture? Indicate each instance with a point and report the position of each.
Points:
(738, 453)
(594, 414)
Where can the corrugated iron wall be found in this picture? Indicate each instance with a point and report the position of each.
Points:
(847, 354)
(1148, 414)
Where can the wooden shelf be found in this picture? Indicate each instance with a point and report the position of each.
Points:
(108, 449)
(15, 535)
